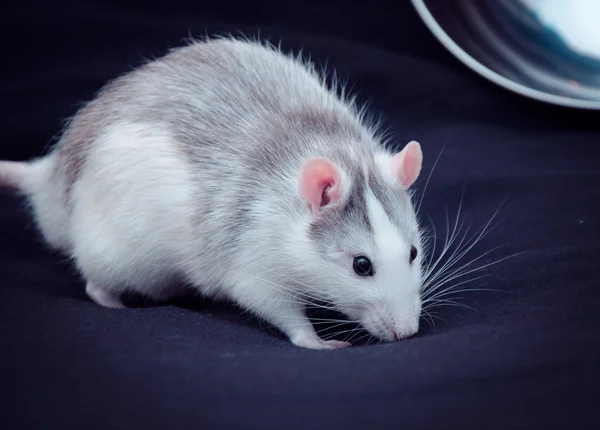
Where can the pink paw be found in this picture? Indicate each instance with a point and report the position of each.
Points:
(103, 297)
(315, 342)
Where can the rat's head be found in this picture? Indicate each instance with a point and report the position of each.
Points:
(364, 228)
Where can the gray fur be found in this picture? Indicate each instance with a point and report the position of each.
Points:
(239, 117)
(396, 205)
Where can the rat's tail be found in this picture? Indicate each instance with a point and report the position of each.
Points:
(29, 177)
(13, 173)
(40, 182)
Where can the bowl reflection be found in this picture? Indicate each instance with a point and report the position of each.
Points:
(543, 49)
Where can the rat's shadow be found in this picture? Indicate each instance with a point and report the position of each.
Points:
(327, 323)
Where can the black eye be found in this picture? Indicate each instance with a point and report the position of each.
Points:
(413, 254)
(362, 266)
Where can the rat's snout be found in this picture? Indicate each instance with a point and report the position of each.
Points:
(388, 325)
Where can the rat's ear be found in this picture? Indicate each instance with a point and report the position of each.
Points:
(406, 164)
(320, 183)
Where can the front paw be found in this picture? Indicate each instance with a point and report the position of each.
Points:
(315, 342)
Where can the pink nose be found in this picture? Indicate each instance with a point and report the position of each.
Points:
(400, 333)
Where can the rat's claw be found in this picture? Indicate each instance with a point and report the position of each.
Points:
(335, 344)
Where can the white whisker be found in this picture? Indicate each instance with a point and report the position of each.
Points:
(430, 296)
(476, 269)
(462, 290)
(367, 335)
(428, 315)
(459, 253)
(432, 169)
(448, 302)
(336, 334)
(444, 272)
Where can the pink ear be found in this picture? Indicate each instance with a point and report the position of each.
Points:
(406, 164)
(320, 183)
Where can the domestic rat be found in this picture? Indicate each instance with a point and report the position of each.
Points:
(234, 168)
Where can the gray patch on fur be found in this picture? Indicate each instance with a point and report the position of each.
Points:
(341, 219)
(83, 129)
(386, 196)
(395, 203)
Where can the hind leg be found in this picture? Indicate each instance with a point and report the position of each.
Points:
(130, 221)
(103, 296)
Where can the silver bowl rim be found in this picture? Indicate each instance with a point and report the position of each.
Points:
(489, 74)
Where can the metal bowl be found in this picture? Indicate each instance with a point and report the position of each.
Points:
(530, 47)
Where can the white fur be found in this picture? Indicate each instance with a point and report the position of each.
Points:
(133, 173)
(384, 161)
(396, 314)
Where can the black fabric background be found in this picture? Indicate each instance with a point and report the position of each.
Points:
(528, 356)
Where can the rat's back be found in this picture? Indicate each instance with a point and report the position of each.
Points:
(226, 105)
(211, 93)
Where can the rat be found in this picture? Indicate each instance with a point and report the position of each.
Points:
(234, 168)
